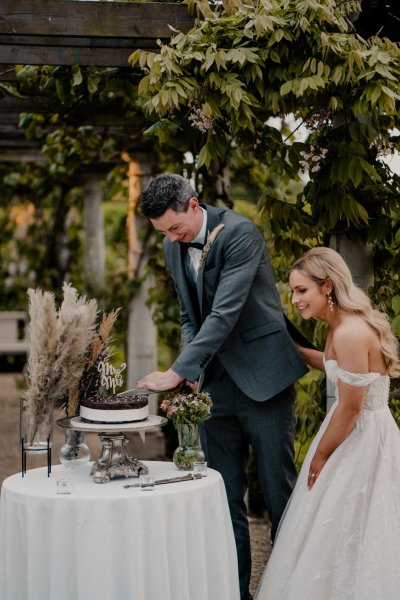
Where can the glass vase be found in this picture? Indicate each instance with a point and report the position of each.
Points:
(189, 450)
(74, 453)
(36, 427)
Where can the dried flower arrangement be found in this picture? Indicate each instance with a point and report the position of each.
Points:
(98, 351)
(65, 348)
(212, 236)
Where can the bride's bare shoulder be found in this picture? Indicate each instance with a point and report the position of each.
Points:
(352, 325)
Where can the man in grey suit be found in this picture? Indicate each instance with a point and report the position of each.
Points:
(235, 341)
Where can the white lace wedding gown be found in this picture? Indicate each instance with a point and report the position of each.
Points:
(341, 539)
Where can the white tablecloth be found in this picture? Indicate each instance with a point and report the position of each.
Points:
(104, 542)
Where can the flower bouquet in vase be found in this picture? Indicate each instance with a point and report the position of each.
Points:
(187, 410)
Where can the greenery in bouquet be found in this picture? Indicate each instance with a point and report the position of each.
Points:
(187, 408)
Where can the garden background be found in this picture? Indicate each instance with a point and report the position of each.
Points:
(287, 111)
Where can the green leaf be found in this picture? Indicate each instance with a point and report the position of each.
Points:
(286, 88)
(27, 74)
(209, 60)
(355, 172)
(369, 169)
(396, 325)
(375, 94)
(62, 90)
(133, 59)
(10, 89)
(390, 93)
(144, 85)
(203, 158)
(76, 75)
(93, 84)
(207, 110)
(396, 304)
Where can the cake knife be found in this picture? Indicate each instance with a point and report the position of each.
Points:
(139, 392)
(147, 391)
(188, 477)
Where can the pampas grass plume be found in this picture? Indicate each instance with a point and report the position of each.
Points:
(43, 343)
(59, 342)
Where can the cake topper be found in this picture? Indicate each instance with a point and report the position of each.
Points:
(110, 377)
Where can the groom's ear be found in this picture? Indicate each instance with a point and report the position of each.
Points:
(194, 202)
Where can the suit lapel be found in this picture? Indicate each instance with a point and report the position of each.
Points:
(213, 220)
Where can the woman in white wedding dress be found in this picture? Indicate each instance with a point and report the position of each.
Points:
(339, 538)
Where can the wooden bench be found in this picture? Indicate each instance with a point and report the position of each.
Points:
(13, 332)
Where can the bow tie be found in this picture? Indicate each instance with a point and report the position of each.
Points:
(193, 245)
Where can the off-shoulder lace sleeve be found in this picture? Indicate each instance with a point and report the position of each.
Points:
(356, 379)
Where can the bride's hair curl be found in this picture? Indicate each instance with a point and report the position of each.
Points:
(321, 263)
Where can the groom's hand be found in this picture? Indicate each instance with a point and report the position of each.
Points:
(192, 385)
(160, 380)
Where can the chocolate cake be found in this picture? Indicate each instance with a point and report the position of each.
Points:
(114, 409)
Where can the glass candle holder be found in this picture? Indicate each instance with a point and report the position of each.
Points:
(200, 467)
(146, 483)
(64, 485)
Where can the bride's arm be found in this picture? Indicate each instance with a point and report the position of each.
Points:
(314, 358)
(352, 355)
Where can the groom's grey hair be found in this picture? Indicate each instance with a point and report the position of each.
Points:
(166, 191)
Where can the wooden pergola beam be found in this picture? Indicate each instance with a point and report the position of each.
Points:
(68, 32)
(88, 113)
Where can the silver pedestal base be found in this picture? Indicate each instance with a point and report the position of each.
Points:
(114, 460)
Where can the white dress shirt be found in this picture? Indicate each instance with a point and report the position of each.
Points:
(194, 254)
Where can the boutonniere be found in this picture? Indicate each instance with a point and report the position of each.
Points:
(212, 236)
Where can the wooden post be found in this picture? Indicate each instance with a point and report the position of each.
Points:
(358, 256)
(359, 259)
(142, 333)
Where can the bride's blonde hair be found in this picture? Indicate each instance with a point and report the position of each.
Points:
(322, 263)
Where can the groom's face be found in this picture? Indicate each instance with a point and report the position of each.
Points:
(180, 226)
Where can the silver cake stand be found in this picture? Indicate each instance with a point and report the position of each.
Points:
(114, 460)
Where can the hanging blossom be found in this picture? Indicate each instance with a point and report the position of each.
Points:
(383, 147)
(198, 119)
(318, 120)
(311, 160)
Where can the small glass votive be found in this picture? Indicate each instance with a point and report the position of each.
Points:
(146, 483)
(200, 467)
(64, 485)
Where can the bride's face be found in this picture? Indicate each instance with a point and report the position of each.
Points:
(309, 297)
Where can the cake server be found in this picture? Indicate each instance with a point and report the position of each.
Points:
(139, 392)
(188, 477)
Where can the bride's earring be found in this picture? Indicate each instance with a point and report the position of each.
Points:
(330, 302)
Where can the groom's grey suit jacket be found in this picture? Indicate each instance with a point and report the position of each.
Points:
(234, 312)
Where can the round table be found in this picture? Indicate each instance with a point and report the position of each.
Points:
(110, 543)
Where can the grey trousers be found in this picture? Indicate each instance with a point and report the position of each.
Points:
(237, 422)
